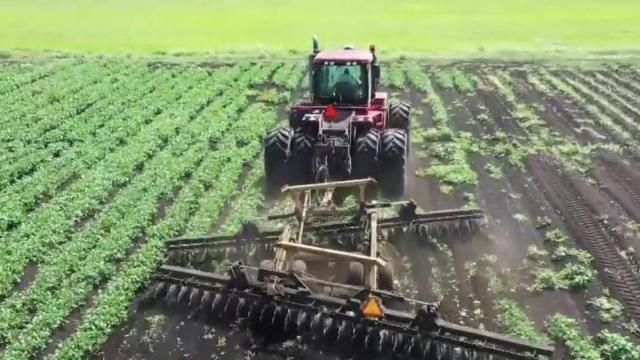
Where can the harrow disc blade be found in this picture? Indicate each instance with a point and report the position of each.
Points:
(302, 322)
(398, 343)
(345, 332)
(242, 309)
(266, 316)
(217, 305)
(330, 330)
(182, 294)
(230, 308)
(359, 337)
(253, 316)
(279, 315)
(290, 321)
(205, 301)
(316, 324)
(195, 298)
(160, 290)
(172, 293)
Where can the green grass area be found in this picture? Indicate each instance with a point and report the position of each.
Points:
(439, 27)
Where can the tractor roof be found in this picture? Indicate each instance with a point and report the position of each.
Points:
(344, 55)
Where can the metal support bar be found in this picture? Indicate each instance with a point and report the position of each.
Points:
(280, 260)
(328, 185)
(331, 253)
(373, 248)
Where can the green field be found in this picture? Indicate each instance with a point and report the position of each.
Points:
(437, 27)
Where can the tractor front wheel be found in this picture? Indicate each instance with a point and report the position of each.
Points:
(399, 114)
(277, 146)
(385, 278)
(394, 156)
(355, 274)
(301, 157)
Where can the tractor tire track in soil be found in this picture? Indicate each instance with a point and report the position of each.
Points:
(622, 183)
(625, 182)
(561, 191)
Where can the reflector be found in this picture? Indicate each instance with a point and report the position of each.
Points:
(330, 112)
(372, 308)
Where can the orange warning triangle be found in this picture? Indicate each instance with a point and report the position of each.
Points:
(372, 308)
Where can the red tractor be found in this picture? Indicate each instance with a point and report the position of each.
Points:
(347, 130)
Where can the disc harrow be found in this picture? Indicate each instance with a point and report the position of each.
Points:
(281, 300)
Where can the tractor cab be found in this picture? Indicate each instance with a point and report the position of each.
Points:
(344, 77)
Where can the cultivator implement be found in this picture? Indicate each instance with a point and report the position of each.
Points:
(285, 297)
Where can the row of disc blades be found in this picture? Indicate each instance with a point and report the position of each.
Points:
(422, 231)
(268, 316)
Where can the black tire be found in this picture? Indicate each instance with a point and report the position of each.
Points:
(277, 146)
(394, 156)
(267, 264)
(355, 274)
(301, 155)
(295, 118)
(385, 278)
(365, 154)
(299, 267)
(399, 115)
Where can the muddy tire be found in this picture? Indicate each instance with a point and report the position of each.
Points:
(301, 155)
(355, 274)
(277, 146)
(399, 114)
(267, 265)
(385, 278)
(299, 267)
(394, 156)
(365, 154)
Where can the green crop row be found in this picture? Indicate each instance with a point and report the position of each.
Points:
(27, 118)
(606, 345)
(393, 76)
(19, 76)
(65, 128)
(111, 305)
(134, 211)
(58, 266)
(118, 129)
(448, 151)
(596, 113)
(50, 225)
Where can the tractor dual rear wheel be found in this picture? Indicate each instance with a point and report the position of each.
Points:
(393, 154)
(365, 156)
(356, 274)
(277, 145)
(301, 157)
